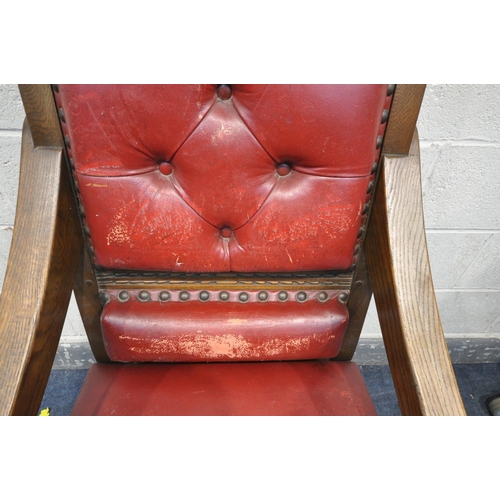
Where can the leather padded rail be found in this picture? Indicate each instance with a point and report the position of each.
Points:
(223, 331)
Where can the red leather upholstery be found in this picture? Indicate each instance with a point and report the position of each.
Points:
(291, 388)
(223, 331)
(243, 178)
(205, 179)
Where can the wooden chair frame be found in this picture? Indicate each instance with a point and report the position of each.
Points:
(48, 259)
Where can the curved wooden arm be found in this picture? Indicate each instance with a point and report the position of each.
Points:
(43, 259)
(404, 293)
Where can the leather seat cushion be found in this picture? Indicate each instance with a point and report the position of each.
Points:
(269, 388)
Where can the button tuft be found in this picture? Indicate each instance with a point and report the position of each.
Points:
(226, 232)
(224, 92)
(283, 169)
(165, 168)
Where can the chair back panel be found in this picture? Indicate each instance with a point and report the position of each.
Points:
(263, 182)
(206, 178)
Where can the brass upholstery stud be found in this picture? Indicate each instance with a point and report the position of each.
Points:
(164, 296)
(67, 141)
(370, 187)
(123, 296)
(204, 296)
(223, 296)
(385, 115)
(380, 139)
(144, 296)
(365, 209)
(390, 89)
(184, 295)
(243, 297)
(263, 296)
(301, 296)
(60, 112)
(322, 296)
(343, 297)
(374, 168)
(283, 296)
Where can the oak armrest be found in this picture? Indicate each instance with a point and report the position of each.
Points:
(404, 293)
(43, 259)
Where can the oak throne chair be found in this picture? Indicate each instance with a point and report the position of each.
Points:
(222, 242)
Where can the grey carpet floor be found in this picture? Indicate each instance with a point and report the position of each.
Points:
(477, 383)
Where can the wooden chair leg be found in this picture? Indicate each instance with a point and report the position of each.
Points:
(43, 259)
(359, 301)
(404, 294)
(90, 307)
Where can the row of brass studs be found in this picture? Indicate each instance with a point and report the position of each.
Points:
(67, 142)
(223, 296)
(371, 185)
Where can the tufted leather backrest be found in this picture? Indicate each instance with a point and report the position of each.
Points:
(207, 178)
(219, 217)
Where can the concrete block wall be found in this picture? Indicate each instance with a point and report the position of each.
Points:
(459, 128)
(11, 121)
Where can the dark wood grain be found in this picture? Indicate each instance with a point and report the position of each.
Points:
(44, 124)
(40, 273)
(39, 105)
(359, 301)
(89, 304)
(402, 119)
(400, 128)
(404, 293)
